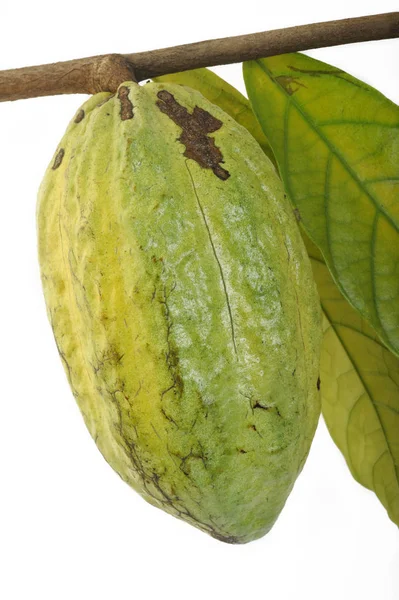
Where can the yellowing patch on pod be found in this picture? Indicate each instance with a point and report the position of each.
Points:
(183, 305)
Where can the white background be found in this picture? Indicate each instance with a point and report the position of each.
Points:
(69, 527)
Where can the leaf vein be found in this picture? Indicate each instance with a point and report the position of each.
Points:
(292, 101)
(366, 389)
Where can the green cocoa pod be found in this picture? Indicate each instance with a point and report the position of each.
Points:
(183, 305)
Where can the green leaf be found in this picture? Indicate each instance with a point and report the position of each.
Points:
(336, 141)
(360, 391)
(224, 95)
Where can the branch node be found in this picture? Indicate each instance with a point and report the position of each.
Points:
(108, 72)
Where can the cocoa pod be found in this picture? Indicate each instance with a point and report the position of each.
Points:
(183, 305)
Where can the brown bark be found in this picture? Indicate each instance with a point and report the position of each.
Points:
(105, 73)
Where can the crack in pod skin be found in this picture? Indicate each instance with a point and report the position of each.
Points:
(183, 305)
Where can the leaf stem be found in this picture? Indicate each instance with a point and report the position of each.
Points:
(105, 73)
